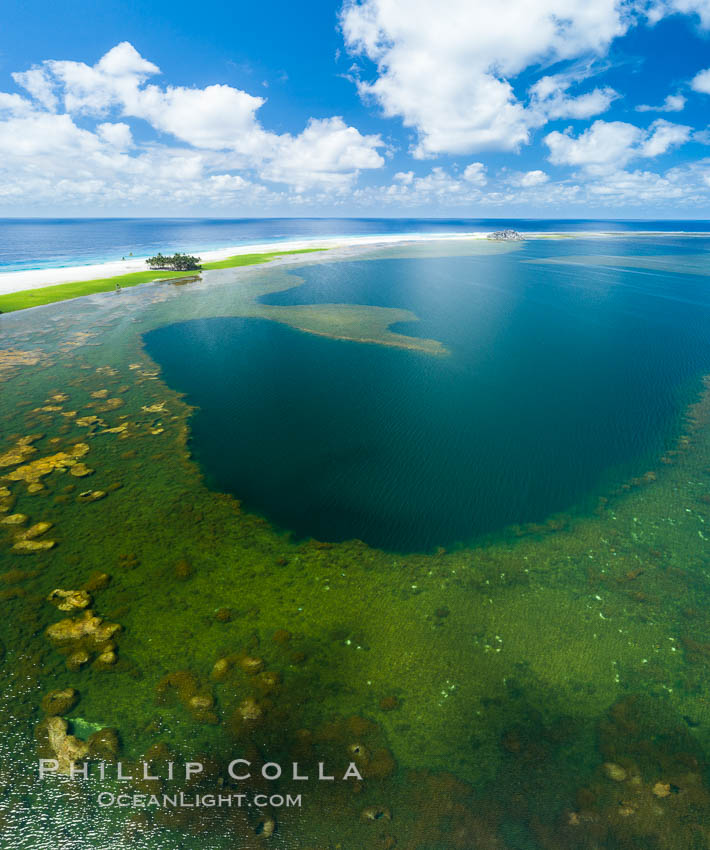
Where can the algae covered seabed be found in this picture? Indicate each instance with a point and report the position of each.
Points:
(546, 690)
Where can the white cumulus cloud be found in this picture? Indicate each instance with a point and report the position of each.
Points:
(701, 82)
(117, 135)
(662, 136)
(660, 8)
(613, 144)
(219, 120)
(327, 152)
(533, 178)
(550, 98)
(475, 174)
(446, 67)
(672, 103)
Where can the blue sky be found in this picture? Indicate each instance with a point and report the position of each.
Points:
(571, 108)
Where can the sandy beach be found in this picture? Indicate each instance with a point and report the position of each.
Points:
(19, 281)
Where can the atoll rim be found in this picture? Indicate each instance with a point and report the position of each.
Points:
(181, 670)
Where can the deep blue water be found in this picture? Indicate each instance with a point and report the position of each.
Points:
(561, 382)
(43, 243)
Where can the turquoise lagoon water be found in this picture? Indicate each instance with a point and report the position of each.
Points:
(561, 379)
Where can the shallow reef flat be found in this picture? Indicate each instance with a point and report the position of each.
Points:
(225, 296)
(547, 689)
(354, 323)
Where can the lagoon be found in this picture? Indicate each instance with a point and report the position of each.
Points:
(560, 380)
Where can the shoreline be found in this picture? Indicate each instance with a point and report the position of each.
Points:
(28, 279)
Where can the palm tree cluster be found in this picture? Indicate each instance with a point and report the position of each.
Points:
(176, 263)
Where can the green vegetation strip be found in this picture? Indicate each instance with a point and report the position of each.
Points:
(254, 259)
(63, 291)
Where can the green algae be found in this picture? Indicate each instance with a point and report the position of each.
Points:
(255, 259)
(542, 635)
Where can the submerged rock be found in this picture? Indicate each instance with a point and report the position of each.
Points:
(68, 600)
(22, 449)
(375, 813)
(97, 581)
(7, 500)
(14, 519)
(250, 710)
(60, 702)
(91, 496)
(32, 472)
(86, 626)
(186, 687)
(614, 771)
(12, 357)
(266, 827)
(66, 748)
(181, 682)
(251, 666)
(104, 744)
(106, 659)
(268, 681)
(118, 429)
(220, 670)
(36, 530)
(28, 547)
(88, 421)
(76, 660)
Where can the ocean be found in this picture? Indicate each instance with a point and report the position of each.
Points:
(48, 243)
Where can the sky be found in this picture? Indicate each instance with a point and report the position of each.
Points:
(432, 108)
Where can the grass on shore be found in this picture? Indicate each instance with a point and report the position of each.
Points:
(254, 259)
(63, 291)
